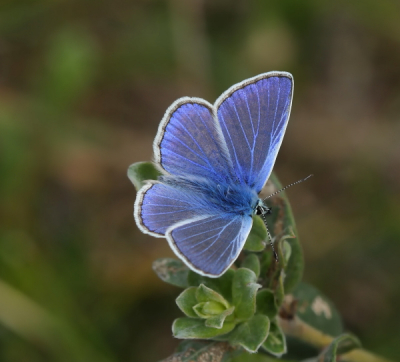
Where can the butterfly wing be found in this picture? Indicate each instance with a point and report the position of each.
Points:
(207, 242)
(210, 244)
(159, 206)
(253, 116)
(189, 141)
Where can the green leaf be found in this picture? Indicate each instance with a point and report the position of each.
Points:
(208, 309)
(186, 301)
(253, 263)
(317, 310)
(205, 294)
(266, 260)
(218, 320)
(188, 344)
(280, 289)
(252, 333)
(222, 285)
(244, 290)
(346, 343)
(200, 351)
(198, 309)
(276, 340)
(342, 344)
(140, 172)
(213, 308)
(284, 250)
(191, 328)
(172, 271)
(266, 303)
(283, 222)
(256, 240)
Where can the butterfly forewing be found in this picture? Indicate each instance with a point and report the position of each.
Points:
(253, 116)
(190, 143)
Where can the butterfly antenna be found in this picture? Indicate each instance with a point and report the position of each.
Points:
(286, 187)
(269, 237)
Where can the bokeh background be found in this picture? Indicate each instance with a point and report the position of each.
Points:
(83, 86)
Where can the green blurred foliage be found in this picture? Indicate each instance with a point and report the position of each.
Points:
(83, 86)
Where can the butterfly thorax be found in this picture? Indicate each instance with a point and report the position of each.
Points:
(227, 197)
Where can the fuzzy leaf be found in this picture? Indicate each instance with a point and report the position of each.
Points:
(280, 289)
(191, 328)
(140, 172)
(283, 222)
(342, 344)
(187, 300)
(276, 340)
(266, 303)
(252, 333)
(284, 250)
(222, 285)
(213, 308)
(205, 294)
(253, 263)
(266, 260)
(317, 310)
(198, 309)
(218, 320)
(256, 240)
(244, 290)
(208, 309)
(172, 271)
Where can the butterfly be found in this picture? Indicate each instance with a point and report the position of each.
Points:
(215, 160)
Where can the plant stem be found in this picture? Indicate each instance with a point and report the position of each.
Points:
(297, 328)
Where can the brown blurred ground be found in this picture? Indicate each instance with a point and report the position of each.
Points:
(83, 86)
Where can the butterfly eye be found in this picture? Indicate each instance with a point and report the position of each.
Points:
(263, 210)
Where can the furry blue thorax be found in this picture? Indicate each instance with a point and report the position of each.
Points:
(222, 197)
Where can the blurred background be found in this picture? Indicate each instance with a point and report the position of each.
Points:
(83, 87)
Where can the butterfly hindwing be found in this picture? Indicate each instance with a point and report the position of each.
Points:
(159, 206)
(253, 116)
(210, 244)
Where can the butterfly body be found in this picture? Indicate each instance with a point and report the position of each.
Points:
(215, 159)
(210, 197)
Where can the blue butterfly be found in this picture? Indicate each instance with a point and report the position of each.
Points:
(214, 160)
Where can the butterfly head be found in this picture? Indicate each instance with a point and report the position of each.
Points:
(262, 209)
